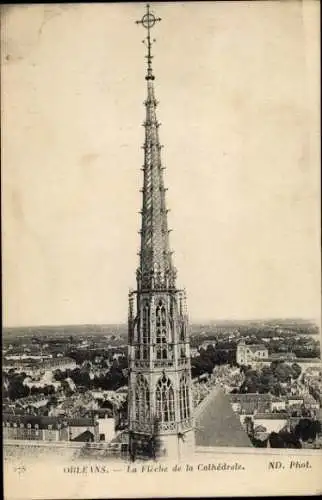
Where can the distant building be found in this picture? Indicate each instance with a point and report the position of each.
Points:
(295, 401)
(59, 363)
(31, 427)
(248, 354)
(33, 366)
(207, 344)
(106, 425)
(282, 356)
(20, 357)
(78, 426)
(194, 352)
(278, 404)
(310, 403)
(251, 403)
(272, 422)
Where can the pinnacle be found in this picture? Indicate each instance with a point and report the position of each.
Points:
(155, 252)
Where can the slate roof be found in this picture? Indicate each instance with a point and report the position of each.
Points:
(257, 347)
(84, 437)
(33, 420)
(81, 422)
(250, 396)
(43, 421)
(271, 416)
(218, 425)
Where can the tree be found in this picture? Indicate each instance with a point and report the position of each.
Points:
(16, 389)
(48, 390)
(307, 429)
(276, 441)
(59, 375)
(282, 371)
(290, 439)
(249, 425)
(296, 370)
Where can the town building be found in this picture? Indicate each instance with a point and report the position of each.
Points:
(42, 428)
(253, 403)
(272, 422)
(59, 363)
(208, 343)
(77, 427)
(194, 352)
(29, 427)
(247, 354)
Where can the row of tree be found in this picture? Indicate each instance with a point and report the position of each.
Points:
(269, 378)
(113, 379)
(305, 430)
(222, 354)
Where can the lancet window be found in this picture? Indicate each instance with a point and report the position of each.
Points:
(161, 323)
(146, 323)
(184, 398)
(165, 400)
(182, 331)
(142, 399)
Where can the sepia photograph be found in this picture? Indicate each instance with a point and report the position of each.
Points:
(161, 249)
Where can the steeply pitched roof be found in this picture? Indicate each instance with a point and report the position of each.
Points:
(257, 347)
(84, 437)
(217, 424)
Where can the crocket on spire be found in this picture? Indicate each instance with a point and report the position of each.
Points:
(156, 269)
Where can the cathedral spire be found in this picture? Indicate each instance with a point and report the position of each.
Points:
(156, 269)
(160, 406)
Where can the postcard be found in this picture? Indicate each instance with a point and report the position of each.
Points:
(161, 249)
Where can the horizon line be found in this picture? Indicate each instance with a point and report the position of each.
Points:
(191, 322)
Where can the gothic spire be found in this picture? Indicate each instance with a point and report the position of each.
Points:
(156, 269)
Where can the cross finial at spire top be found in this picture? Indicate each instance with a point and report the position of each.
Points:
(148, 21)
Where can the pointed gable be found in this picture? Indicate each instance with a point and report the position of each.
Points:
(218, 425)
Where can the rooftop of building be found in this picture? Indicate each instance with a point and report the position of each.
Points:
(309, 360)
(271, 416)
(217, 424)
(45, 421)
(257, 347)
(85, 436)
(40, 421)
(250, 396)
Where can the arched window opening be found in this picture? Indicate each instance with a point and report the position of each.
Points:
(163, 316)
(142, 399)
(164, 352)
(145, 323)
(165, 400)
(137, 335)
(184, 398)
(161, 323)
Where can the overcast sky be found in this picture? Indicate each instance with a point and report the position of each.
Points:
(238, 88)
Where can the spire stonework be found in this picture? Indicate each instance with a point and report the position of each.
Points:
(160, 408)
